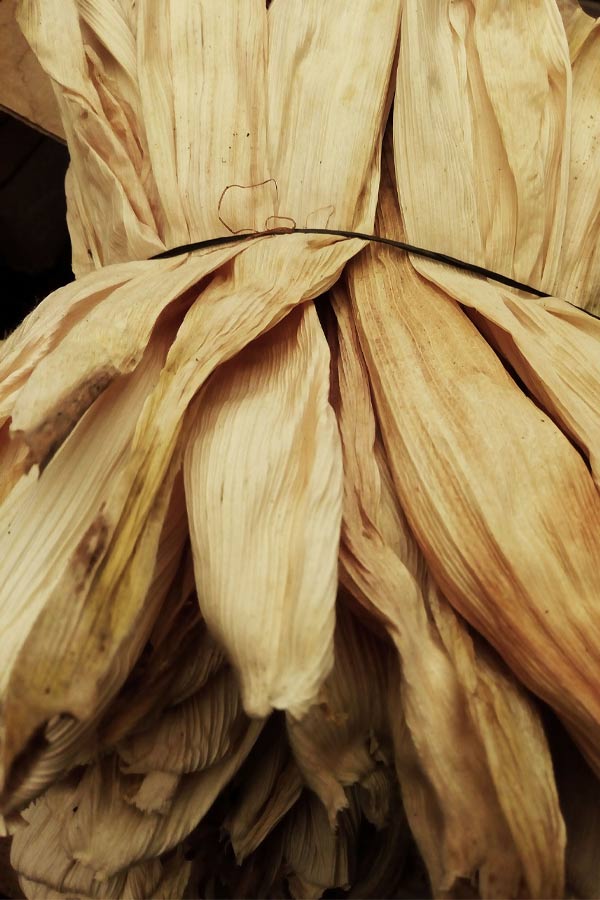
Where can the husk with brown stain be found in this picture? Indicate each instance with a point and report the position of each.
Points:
(440, 440)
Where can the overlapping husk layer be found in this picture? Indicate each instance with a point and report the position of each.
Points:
(283, 583)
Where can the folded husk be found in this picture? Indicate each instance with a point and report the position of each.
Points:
(343, 739)
(274, 554)
(458, 717)
(192, 735)
(319, 856)
(88, 827)
(271, 786)
(227, 119)
(131, 197)
(579, 273)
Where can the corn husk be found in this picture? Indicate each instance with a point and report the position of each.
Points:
(167, 877)
(457, 715)
(579, 275)
(103, 103)
(472, 415)
(68, 541)
(271, 786)
(528, 226)
(57, 872)
(344, 739)
(320, 857)
(79, 823)
(176, 494)
(171, 668)
(534, 259)
(192, 735)
(286, 534)
(99, 96)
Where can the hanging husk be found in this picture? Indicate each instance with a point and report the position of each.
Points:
(549, 642)
(271, 785)
(344, 738)
(193, 735)
(263, 282)
(579, 274)
(62, 511)
(457, 715)
(319, 856)
(91, 828)
(286, 533)
(457, 427)
(63, 877)
(190, 446)
(178, 660)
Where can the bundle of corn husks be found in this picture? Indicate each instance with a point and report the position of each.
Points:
(282, 583)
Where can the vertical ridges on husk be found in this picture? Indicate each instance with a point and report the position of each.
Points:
(296, 530)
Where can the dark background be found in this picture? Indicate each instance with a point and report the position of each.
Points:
(35, 252)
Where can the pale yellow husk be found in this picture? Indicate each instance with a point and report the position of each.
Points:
(185, 456)
(134, 188)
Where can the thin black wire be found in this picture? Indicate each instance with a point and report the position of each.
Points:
(373, 238)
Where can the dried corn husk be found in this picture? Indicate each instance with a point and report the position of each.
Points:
(166, 877)
(320, 857)
(38, 853)
(188, 119)
(579, 274)
(467, 412)
(343, 739)
(109, 341)
(146, 192)
(510, 219)
(545, 639)
(154, 793)
(192, 735)
(180, 657)
(79, 823)
(277, 553)
(457, 716)
(271, 785)
(500, 112)
(67, 542)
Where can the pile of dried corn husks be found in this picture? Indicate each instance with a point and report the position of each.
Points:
(282, 584)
